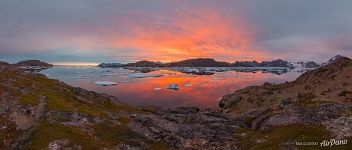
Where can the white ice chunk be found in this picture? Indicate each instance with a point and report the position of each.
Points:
(109, 74)
(188, 85)
(157, 89)
(105, 83)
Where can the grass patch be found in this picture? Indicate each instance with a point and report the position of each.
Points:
(345, 93)
(29, 99)
(117, 133)
(61, 97)
(276, 138)
(306, 99)
(47, 132)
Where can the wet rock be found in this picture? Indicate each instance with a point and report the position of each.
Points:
(58, 144)
(340, 127)
(286, 102)
(229, 101)
(188, 128)
(256, 123)
(256, 113)
(185, 110)
(267, 84)
(70, 117)
(306, 115)
(23, 121)
(133, 145)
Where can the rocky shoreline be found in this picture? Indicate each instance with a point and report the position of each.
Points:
(41, 113)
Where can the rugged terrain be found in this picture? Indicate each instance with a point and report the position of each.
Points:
(321, 98)
(41, 113)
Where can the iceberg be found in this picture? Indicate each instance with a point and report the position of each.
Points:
(157, 89)
(188, 85)
(105, 83)
(173, 87)
(144, 75)
(81, 77)
(109, 74)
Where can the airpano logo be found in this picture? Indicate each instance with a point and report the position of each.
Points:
(333, 142)
(325, 143)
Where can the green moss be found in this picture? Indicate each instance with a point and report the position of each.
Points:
(114, 133)
(345, 93)
(61, 97)
(277, 137)
(46, 133)
(13, 92)
(119, 133)
(306, 99)
(248, 121)
(29, 99)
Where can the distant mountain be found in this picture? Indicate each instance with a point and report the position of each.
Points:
(245, 64)
(333, 59)
(274, 63)
(199, 62)
(310, 64)
(209, 62)
(110, 65)
(144, 63)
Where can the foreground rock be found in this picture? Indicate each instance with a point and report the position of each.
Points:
(321, 97)
(40, 113)
(189, 128)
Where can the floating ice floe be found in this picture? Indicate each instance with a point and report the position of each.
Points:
(157, 89)
(217, 78)
(105, 83)
(80, 77)
(188, 85)
(143, 75)
(173, 87)
(109, 74)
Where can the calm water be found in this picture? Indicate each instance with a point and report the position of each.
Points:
(194, 90)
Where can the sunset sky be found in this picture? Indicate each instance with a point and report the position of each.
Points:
(92, 31)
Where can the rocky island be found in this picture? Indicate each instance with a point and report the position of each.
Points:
(206, 62)
(41, 113)
(33, 65)
(207, 66)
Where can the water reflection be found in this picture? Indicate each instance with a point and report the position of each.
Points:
(194, 89)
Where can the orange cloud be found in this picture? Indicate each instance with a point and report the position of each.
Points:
(183, 35)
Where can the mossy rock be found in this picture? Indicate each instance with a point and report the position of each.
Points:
(283, 137)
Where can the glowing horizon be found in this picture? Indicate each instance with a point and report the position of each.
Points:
(174, 30)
